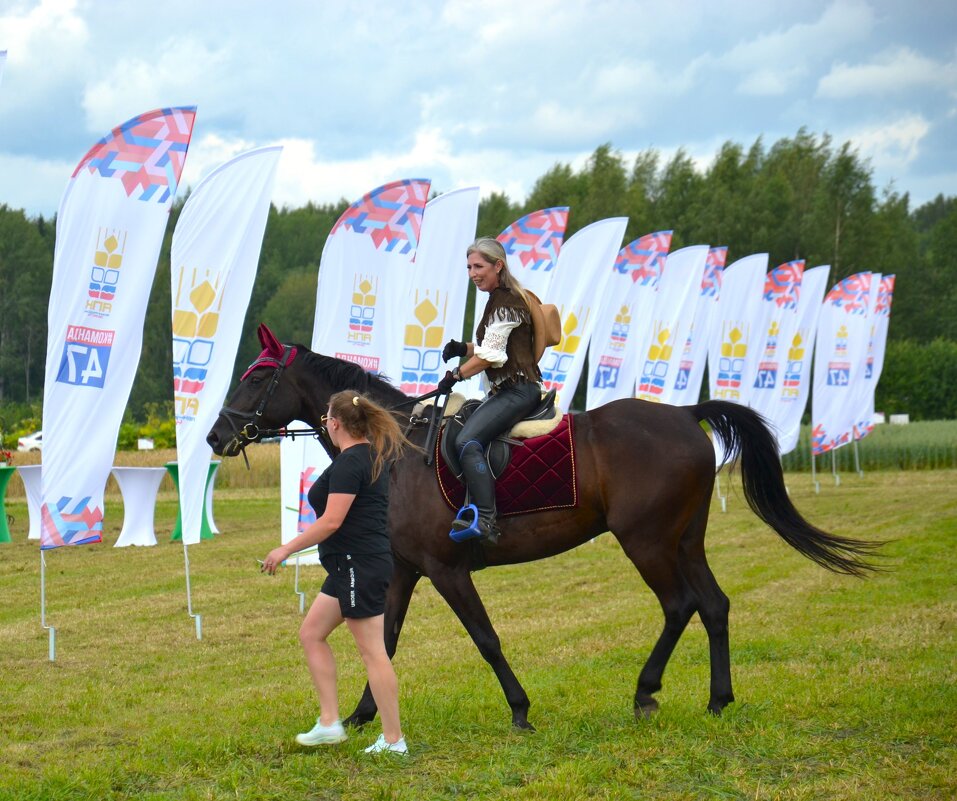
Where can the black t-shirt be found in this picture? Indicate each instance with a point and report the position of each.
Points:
(365, 528)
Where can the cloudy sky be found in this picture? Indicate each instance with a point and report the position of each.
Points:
(475, 92)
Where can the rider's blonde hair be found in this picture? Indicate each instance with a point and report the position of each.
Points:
(491, 250)
(363, 417)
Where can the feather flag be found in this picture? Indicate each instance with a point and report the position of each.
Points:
(584, 268)
(110, 226)
(214, 256)
(842, 338)
(694, 354)
(627, 306)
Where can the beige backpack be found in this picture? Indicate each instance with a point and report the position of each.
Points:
(546, 323)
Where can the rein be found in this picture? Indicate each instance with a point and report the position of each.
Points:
(245, 425)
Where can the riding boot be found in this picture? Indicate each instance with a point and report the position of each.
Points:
(481, 487)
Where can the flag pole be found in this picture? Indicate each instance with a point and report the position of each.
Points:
(837, 477)
(814, 481)
(723, 497)
(189, 595)
(43, 607)
(857, 460)
(300, 593)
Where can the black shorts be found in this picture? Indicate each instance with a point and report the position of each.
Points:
(358, 581)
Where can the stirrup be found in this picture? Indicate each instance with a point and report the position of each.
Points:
(462, 529)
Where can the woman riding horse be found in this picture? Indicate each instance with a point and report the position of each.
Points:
(504, 351)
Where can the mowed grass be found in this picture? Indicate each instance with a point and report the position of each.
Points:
(845, 688)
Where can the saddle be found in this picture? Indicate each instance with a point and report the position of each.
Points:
(541, 420)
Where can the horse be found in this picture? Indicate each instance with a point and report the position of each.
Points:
(619, 447)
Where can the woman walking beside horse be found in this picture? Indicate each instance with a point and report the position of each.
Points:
(351, 500)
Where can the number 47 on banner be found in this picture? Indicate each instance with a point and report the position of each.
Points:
(83, 364)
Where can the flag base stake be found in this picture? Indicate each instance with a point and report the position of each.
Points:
(43, 607)
(721, 496)
(189, 597)
(300, 593)
(837, 477)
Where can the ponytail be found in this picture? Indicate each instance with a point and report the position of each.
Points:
(363, 417)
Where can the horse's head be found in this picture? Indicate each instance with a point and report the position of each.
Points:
(267, 398)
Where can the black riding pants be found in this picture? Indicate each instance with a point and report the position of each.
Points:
(498, 413)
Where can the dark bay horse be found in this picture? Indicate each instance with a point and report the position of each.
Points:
(646, 473)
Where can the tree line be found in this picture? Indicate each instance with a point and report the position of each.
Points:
(802, 197)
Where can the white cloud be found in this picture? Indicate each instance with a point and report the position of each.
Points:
(178, 71)
(891, 145)
(41, 35)
(773, 63)
(893, 71)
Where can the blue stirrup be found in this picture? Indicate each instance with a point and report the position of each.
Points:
(469, 531)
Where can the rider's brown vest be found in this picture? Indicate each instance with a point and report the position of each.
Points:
(519, 349)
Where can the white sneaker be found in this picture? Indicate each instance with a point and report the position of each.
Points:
(381, 746)
(322, 735)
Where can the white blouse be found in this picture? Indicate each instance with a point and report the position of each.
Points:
(492, 347)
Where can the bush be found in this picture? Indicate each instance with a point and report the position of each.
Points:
(919, 379)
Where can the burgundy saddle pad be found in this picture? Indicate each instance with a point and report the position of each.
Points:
(541, 475)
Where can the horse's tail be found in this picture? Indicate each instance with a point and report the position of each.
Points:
(748, 440)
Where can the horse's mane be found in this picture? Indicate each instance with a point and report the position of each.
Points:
(341, 374)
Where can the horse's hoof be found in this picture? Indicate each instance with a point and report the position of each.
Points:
(522, 725)
(357, 721)
(717, 707)
(645, 708)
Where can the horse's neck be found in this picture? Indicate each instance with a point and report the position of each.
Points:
(320, 387)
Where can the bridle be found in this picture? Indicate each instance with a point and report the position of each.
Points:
(245, 425)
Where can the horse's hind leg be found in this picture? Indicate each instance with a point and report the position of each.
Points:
(713, 608)
(660, 571)
(404, 579)
(456, 587)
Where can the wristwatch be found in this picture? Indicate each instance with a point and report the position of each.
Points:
(457, 374)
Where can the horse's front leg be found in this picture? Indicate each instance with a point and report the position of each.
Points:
(397, 599)
(456, 587)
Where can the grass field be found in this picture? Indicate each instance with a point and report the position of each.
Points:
(846, 689)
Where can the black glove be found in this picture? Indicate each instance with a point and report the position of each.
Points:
(445, 385)
(454, 349)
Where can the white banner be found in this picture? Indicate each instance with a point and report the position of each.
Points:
(662, 343)
(796, 377)
(585, 266)
(214, 256)
(532, 245)
(842, 336)
(110, 226)
(735, 340)
(626, 308)
(882, 293)
(3, 60)
(301, 462)
(365, 273)
(782, 289)
(694, 355)
(434, 310)
(365, 276)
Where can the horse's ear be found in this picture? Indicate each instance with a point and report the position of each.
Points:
(269, 342)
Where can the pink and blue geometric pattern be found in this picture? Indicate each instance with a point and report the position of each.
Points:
(644, 258)
(69, 522)
(536, 238)
(391, 215)
(713, 271)
(851, 294)
(885, 294)
(146, 153)
(307, 515)
(783, 284)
